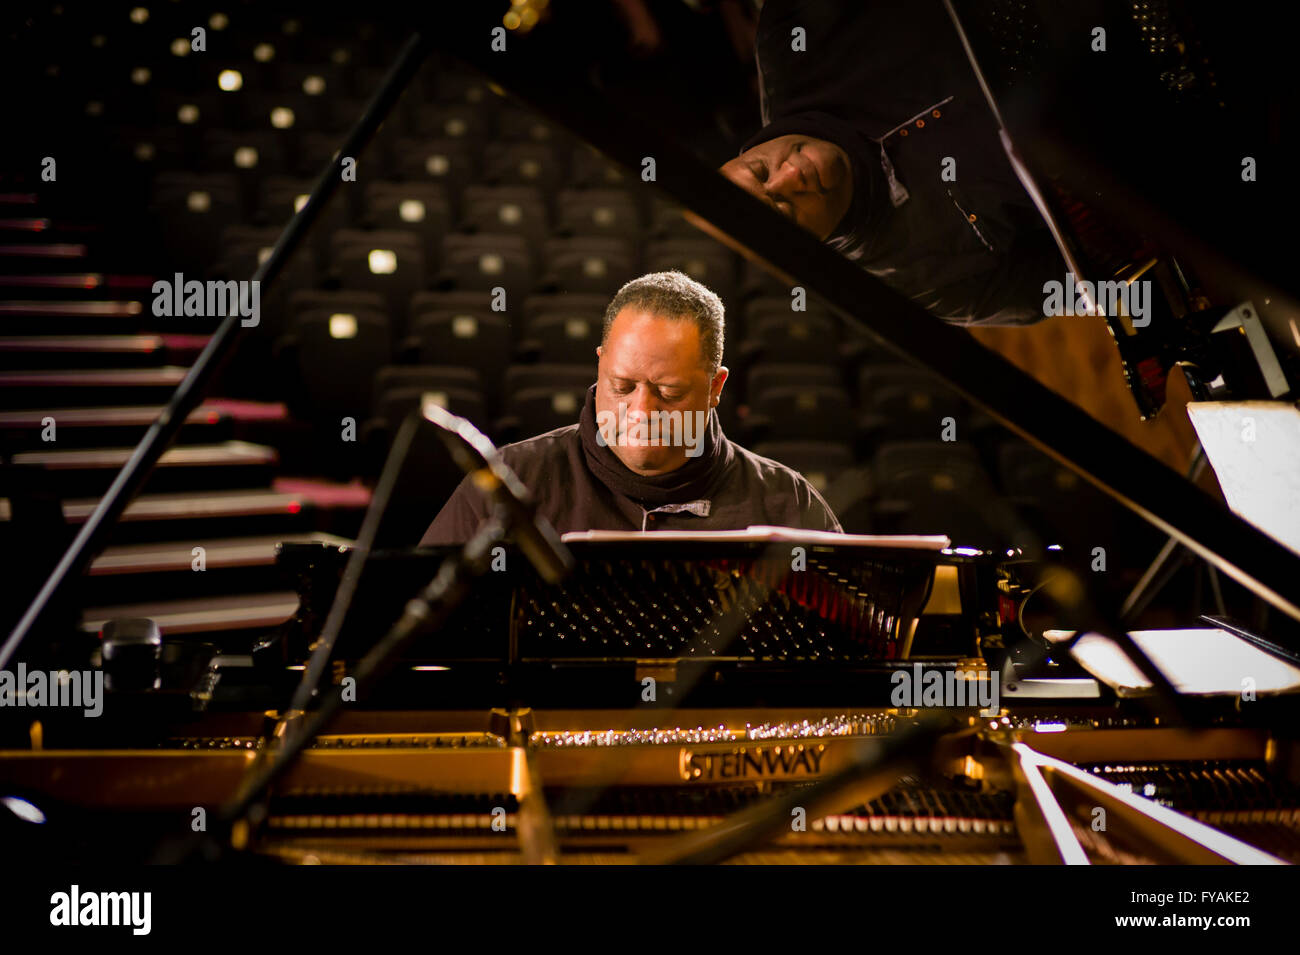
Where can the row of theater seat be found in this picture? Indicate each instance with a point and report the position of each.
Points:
(452, 160)
(500, 236)
(464, 327)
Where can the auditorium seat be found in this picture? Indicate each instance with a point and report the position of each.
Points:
(517, 124)
(341, 114)
(459, 87)
(793, 412)
(245, 248)
(314, 78)
(418, 207)
(448, 161)
(449, 121)
(527, 164)
(758, 282)
(193, 210)
(390, 262)
(397, 389)
(485, 262)
(590, 168)
(520, 377)
(1069, 510)
(938, 487)
(429, 377)
(459, 328)
(562, 329)
(821, 462)
(393, 404)
(667, 221)
(195, 110)
(150, 148)
(587, 264)
(561, 338)
(335, 354)
(248, 155)
(702, 259)
(282, 196)
(599, 212)
(795, 337)
(516, 210)
(898, 401)
(533, 411)
(291, 111)
(316, 304)
(540, 398)
(778, 304)
(315, 150)
(764, 377)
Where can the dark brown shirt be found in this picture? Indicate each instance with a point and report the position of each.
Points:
(738, 489)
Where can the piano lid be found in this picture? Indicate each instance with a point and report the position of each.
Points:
(575, 70)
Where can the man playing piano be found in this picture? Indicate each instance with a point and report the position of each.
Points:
(648, 452)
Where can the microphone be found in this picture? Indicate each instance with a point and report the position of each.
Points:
(479, 458)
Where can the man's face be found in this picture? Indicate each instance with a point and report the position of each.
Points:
(807, 180)
(654, 365)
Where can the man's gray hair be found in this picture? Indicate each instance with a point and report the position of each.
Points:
(678, 296)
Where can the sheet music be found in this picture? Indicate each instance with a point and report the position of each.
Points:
(763, 533)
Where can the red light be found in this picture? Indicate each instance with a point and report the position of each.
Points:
(212, 417)
(294, 507)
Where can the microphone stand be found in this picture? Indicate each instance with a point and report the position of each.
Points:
(512, 512)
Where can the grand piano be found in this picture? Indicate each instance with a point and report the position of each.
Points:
(758, 696)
